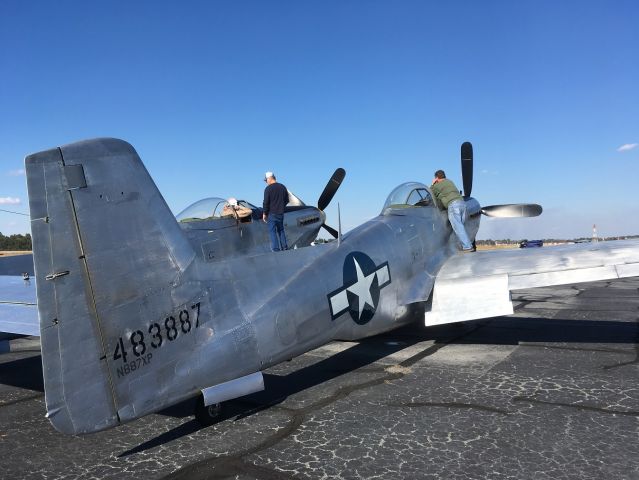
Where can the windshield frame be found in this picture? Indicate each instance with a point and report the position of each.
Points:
(399, 197)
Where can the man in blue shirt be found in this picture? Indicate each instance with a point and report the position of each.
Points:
(275, 199)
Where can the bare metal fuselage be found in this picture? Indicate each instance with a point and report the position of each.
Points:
(135, 315)
(268, 308)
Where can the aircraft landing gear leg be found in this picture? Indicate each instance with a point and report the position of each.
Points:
(207, 416)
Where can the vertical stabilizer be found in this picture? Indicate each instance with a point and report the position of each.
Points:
(103, 241)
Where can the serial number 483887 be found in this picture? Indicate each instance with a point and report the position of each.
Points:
(174, 325)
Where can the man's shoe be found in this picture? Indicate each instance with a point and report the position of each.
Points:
(468, 250)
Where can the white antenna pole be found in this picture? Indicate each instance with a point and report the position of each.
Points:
(339, 226)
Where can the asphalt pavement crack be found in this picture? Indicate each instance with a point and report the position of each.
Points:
(635, 361)
(471, 406)
(575, 406)
(576, 349)
(523, 304)
(233, 465)
(21, 400)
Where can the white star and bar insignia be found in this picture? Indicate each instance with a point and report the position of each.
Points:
(360, 293)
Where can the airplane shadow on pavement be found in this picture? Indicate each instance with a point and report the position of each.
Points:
(23, 373)
(500, 331)
(26, 373)
(277, 389)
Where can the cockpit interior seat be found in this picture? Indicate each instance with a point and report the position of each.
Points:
(243, 214)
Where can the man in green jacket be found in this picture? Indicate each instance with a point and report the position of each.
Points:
(448, 198)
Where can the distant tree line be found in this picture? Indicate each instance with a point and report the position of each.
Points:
(15, 242)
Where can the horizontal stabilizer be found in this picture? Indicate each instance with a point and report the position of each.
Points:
(18, 311)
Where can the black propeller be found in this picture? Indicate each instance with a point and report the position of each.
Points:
(512, 210)
(327, 195)
(331, 188)
(467, 167)
(330, 230)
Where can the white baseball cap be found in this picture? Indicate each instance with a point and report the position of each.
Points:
(268, 175)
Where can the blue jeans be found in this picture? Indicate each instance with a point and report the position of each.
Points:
(457, 217)
(276, 231)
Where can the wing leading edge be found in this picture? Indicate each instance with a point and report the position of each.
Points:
(478, 285)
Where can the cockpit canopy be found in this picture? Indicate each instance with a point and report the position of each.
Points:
(207, 209)
(409, 194)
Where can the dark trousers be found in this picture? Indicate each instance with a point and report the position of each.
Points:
(276, 231)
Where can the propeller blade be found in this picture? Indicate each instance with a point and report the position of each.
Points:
(512, 210)
(330, 230)
(467, 167)
(331, 188)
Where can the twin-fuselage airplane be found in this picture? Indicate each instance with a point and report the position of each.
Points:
(135, 314)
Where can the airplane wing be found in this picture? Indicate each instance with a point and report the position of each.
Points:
(18, 309)
(478, 285)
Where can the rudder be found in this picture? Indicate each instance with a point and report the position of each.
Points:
(103, 239)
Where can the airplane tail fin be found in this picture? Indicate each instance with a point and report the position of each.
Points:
(107, 251)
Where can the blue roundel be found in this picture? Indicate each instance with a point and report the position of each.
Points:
(360, 291)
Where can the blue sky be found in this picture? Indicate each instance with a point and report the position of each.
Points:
(212, 94)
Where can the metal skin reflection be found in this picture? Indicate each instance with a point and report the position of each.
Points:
(141, 291)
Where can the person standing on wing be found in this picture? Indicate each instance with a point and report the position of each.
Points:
(275, 199)
(448, 198)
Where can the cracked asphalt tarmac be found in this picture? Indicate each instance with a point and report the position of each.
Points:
(548, 393)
